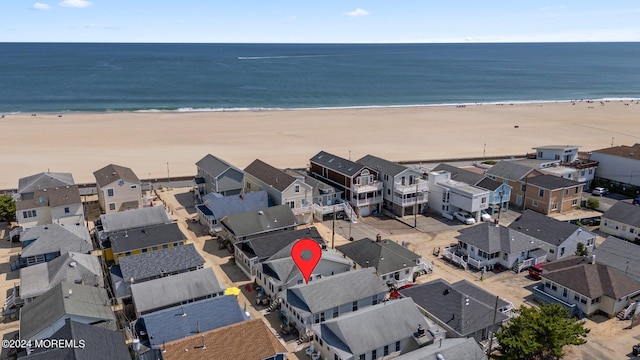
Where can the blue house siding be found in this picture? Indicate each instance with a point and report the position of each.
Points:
(495, 198)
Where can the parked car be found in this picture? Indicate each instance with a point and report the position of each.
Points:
(636, 201)
(600, 191)
(465, 217)
(484, 216)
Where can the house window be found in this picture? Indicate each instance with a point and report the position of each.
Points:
(541, 193)
(145, 250)
(335, 312)
(590, 171)
(547, 285)
(109, 192)
(566, 191)
(134, 186)
(67, 210)
(565, 292)
(385, 352)
(574, 202)
(127, 253)
(561, 251)
(165, 246)
(362, 357)
(292, 204)
(484, 200)
(112, 206)
(374, 299)
(374, 354)
(248, 185)
(596, 300)
(355, 306)
(554, 206)
(576, 297)
(388, 191)
(534, 203)
(552, 250)
(335, 357)
(397, 345)
(583, 300)
(297, 189)
(505, 256)
(322, 316)
(554, 287)
(577, 190)
(29, 214)
(523, 187)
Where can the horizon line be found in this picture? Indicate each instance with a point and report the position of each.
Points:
(329, 43)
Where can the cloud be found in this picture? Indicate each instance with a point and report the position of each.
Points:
(101, 26)
(40, 6)
(75, 3)
(357, 12)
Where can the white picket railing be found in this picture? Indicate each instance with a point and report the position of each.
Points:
(448, 254)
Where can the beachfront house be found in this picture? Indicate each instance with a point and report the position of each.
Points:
(447, 196)
(153, 265)
(44, 243)
(396, 264)
(514, 175)
(486, 246)
(359, 183)
(48, 313)
(558, 238)
(404, 190)
(250, 253)
(323, 193)
(215, 175)
(279, 272)
(568, 162)
(330, 297)
(142, 240)
(622, 220)
(283, 189)
(164, 326)
(585, 286)
(48, 198)
(463, 309)
(251, 224)
(250, 340)
(119, 189)
(215, 207)
(619, 165)
(382, 331)
(170, 291)
(500, 192)
(619, 254)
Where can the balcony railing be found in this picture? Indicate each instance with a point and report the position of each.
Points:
(370, 187)
(419, 186)
(421, 199)
(368, 201)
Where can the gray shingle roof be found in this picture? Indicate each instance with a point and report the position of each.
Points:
(270, 175)
(214, 166)
(382, 165)
(51, 238)
(624, 212)
(86, 302)
(265, 246)
(592, 280)
(462, 175)
(135, 218)
(448, 303)
(543, 228)
(362, 331)
(111, 173)
(551, 182)
(233, 204)
(336, 290)
(489, 184)
(44, 180)
(459, 348)
(336, 163)
(509, 170)
(141, 238)
(318, 186)
(37, 279)
(174, 289)
(491, 239)
(53, 197)
(99, 344)
(169, 324)
(261, 221)
(281, 267)
(386, 256)
(151, 264)
(619, 254)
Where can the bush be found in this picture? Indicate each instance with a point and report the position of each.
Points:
(489, 162)
(592, 203)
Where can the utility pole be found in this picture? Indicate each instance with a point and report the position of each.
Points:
(493, 328)
(168, 177)
(415, 207)
(333, 227)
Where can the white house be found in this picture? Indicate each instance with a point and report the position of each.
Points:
(620, 164)
(622, 220)
(447, 196)
(404, 190)
(119, 189)
(48, 198)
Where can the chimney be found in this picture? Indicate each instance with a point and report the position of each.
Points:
(592, 259)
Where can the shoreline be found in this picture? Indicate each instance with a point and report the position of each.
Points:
(186, 110)
(155, 143)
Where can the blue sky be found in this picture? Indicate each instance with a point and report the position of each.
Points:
(328, 21)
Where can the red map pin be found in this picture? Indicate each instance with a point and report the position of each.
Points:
(306, 253)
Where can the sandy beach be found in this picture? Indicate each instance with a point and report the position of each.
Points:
(81, 143)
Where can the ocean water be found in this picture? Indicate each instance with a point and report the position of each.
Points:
(101, 77)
